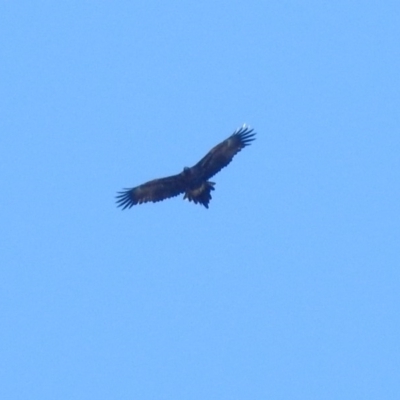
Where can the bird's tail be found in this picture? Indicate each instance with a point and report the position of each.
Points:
(200, 194)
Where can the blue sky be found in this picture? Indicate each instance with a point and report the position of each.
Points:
(287, 287)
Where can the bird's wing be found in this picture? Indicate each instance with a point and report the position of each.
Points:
(155, 190)
(221, 155)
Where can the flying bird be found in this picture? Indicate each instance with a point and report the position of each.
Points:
(193, 182)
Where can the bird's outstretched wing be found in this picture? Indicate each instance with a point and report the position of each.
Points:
(221, 155)
(155, 190)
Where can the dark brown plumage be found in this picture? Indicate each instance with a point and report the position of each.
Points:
(191, 181)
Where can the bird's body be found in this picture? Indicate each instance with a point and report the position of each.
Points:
(193, 182)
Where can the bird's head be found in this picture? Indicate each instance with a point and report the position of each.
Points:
(186, 171)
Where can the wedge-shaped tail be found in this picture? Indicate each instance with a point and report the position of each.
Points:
(200, 194)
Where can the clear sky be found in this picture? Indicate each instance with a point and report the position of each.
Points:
(287, 287)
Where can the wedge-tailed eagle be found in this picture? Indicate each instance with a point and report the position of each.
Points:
(193, 182)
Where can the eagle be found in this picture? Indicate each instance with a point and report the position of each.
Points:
(193, 182)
